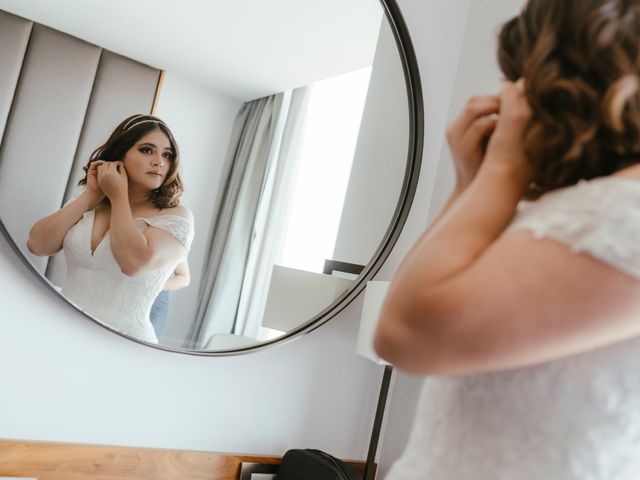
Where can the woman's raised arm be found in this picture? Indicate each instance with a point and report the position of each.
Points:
(47, 234)
(136, 252)
(469, 298)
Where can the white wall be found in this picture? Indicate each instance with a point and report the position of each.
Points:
(201, 121)
(380, 158)
(65, 378)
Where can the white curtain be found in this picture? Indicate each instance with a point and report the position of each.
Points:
(271, 220)
(253, 178)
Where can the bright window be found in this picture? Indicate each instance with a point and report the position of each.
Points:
(326, 156)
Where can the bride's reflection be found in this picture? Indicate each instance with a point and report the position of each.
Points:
(126, 236)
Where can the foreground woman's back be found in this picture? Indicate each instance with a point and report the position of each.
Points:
(527, 315)
(577, 418)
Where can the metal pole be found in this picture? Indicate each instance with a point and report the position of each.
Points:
(377, 423)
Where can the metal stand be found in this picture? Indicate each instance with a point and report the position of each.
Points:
(377, 423)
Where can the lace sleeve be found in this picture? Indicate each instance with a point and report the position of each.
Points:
(600, 217)
(180, 227)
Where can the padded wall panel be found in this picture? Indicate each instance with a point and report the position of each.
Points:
(43, 128)
(122, 87)
(14, 38)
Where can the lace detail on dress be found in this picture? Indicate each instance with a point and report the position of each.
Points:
(97, 286)
(577, 418)
(600, 217)
(180, 227)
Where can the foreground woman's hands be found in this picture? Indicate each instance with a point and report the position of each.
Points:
(505, 150)
(469, 134)
(490, 126)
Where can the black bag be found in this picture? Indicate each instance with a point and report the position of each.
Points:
(309, 464)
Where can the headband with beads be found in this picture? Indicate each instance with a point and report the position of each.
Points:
(129, 125)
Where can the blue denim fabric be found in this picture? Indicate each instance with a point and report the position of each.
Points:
(160, 312)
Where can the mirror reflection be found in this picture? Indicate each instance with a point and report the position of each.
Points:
(196, 217)
(125, 237)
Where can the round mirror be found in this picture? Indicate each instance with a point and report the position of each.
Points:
(299, 129)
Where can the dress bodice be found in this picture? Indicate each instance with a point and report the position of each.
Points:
(577, 418)
(95, 284)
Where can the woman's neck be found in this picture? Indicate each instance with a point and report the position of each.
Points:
(138, 199)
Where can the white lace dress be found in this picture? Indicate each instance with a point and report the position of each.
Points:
(95, 284)
(577, 418)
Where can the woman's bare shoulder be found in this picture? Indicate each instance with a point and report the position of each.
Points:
(631, 173)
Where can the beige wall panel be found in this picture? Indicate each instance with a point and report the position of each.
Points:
(123, 87)
(43, 128)
(14, 38)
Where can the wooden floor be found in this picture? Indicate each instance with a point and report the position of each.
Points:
(63, 461)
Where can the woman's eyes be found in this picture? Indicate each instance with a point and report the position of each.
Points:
(149, 150)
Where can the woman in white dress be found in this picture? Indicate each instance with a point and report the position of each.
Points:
(521, 303)
(124, 236)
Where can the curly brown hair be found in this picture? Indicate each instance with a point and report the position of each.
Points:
(130, 130)
(580, 61)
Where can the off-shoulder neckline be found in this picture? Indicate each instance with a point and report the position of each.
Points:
(599, 180)
(161, 215)
(625, 179)
(92, 221)
(93, 212)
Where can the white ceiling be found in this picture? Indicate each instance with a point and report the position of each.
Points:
(242, 48)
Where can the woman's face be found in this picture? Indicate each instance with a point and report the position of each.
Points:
(147, 162)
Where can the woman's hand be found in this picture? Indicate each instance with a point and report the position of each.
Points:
(91, 187)
(505, 149)
(112, 179)
(468, 135)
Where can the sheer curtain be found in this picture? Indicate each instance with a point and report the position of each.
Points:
(252, 176)
(271, 221)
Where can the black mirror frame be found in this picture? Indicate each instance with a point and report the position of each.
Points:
(414, 159)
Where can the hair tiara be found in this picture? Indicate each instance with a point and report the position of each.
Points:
(133, 123)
